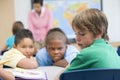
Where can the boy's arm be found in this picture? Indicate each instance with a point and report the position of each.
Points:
(61, 63)
(58, 75)
(27, 63)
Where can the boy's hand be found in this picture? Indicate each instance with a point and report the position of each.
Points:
(56, 78)
(61, 63)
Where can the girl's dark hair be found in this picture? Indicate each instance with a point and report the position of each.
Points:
(24, 33)
(56, 34)
(18, 25)
(38, 1)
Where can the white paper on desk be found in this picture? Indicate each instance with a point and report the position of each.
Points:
(28, 74)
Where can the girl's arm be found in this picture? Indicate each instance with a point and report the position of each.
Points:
(27, 63)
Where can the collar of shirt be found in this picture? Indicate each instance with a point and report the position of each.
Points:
(42, 12)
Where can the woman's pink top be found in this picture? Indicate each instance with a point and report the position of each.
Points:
(40, 25)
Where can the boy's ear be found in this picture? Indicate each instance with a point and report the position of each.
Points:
(66, 46)
(14, 46)
(46, 48)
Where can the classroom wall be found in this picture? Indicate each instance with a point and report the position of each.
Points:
(22, 7)
(6, 19)
(11, 10)
(112, 11)
(110, 7)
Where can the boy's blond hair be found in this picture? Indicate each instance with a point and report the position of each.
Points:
(94, 20)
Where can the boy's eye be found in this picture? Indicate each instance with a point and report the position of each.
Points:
(31, 46)
(57, 48)
(51, 48)
(23, 46)
(80, 34)
(60, 48)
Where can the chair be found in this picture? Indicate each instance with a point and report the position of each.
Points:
(92, 74)
(118, 50)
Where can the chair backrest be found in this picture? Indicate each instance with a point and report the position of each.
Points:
(92, 74)
(118, 50)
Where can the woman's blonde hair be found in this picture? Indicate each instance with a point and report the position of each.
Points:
(92, 19)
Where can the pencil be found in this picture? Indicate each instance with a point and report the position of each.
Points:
(4, 61)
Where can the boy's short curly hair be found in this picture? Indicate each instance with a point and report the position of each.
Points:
(56, 34)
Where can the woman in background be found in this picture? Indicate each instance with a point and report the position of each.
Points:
(39, 22)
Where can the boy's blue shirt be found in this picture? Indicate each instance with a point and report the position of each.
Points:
(44, 59)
